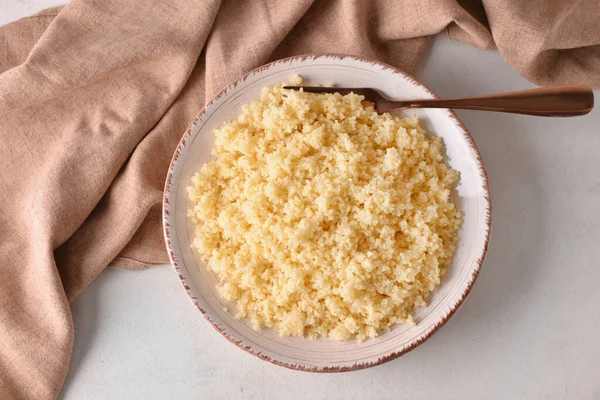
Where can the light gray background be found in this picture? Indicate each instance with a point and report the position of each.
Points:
(530, 328)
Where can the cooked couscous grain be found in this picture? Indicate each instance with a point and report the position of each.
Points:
(323, 218)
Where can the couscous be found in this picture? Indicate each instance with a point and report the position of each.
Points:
(321, 217)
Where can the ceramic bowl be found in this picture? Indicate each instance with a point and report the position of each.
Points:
(323, 355)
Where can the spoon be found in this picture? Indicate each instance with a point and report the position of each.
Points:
(548, 101)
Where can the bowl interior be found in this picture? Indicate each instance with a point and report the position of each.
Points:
(471, 197)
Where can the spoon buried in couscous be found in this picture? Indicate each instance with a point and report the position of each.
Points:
(323, 218)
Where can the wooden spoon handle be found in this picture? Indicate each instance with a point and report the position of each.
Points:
(549, 101)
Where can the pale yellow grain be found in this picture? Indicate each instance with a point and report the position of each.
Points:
(323, 218)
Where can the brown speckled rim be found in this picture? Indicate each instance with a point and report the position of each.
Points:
(413, 344)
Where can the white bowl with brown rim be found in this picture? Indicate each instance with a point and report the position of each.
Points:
(327, 355)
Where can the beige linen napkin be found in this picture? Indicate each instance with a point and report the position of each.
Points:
(95, 96)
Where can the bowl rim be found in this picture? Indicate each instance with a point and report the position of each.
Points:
(166, 216)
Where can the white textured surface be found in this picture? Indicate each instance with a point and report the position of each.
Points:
(529, 329)
(11, 10)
